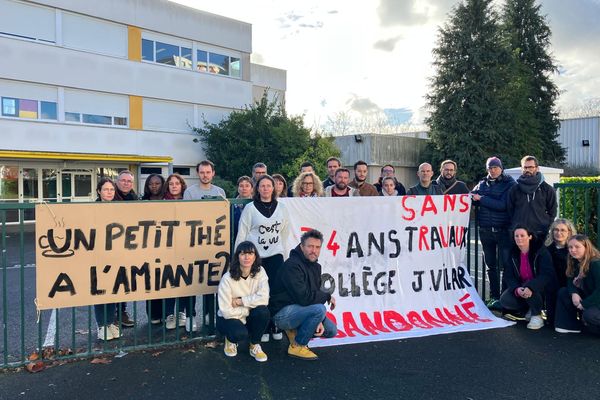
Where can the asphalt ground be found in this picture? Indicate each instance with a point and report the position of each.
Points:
(508, 363)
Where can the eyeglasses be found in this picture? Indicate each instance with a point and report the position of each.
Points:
(308, 183)
(529, 167)
(388, 170)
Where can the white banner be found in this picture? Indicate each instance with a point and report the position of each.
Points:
(395, 265)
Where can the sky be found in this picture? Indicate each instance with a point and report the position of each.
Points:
(373, 57)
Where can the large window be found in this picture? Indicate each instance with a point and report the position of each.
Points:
(27, 108)
(181, 56)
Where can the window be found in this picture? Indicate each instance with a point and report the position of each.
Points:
(72, 117)
(25, 108)
(147, 50)
(185, 61)
(96, 119)
(150, 170)
(120, 121)
(48, 110)
(9, 107)
(218, 64)
(183, 171)
(235, 69)
(202, 60)
(166, 53)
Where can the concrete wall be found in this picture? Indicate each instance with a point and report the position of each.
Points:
(404, 153)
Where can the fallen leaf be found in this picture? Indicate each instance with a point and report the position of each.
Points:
(189, 351)
(100, 361)
(33, 356)
(81, 331)
(35, 367)
(211, 345)
(156, 353)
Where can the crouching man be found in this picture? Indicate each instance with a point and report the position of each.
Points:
(297, 302)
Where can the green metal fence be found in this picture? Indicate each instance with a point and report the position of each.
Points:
(71, 333)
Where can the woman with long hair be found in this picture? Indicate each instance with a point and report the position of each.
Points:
(307, 184)
(581, 297)
(281, 187)
(556, 243)
(181, 310)
(153, 187)
(529, 277)
(243, 298)
(105, 313)
(264, 222)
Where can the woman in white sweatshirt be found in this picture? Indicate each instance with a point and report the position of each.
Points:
(264, 222)
(243, 297)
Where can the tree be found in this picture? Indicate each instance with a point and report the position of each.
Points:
(262, 132)
(528, 39)
(468, 117)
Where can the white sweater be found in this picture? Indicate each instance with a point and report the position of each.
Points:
(267, 234)
(254, 292)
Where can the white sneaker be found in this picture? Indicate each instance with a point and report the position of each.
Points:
(190, 324)
(116, 332)
(277, 335)
(104, 333)
(155, 321)
(562, 330)
(257, 352)
(536, 322)
(230, 349)
(264, 338)
(181, 319)
(170, 322)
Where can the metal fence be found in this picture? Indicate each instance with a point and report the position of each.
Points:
(71, 333)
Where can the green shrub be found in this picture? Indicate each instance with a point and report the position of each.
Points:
(580, 203)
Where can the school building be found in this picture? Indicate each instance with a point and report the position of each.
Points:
(89, 88)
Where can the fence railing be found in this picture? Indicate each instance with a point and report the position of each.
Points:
(72, 333)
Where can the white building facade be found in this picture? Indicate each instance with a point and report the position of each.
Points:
(581, 138)
(90, 88)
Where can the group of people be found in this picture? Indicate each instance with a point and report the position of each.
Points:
(267, 291)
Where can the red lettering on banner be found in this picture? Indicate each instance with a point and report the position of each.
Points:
(331, 245)
(392, 318)
(371, 326)
(411, 211)
(449, 202)
(443, 237)
(468, 306)
(428, 205)
(422, 239)
(350, 325)
(416, 320)
(464, 200)
(431, 320)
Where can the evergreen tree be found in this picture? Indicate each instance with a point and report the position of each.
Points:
(468, 119)
(528, 39)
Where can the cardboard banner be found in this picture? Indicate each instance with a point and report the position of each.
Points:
(97, 253)
(395, 265)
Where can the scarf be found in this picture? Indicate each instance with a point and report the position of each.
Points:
(445, 183)
(384, 193)
(529, 184)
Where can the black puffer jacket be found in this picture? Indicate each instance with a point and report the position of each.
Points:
(536, 210)
(544, 277)
(492, 208)
(298, 282)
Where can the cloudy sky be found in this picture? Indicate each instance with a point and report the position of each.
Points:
(374, 56)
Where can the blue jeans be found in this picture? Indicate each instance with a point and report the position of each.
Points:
(305, 320)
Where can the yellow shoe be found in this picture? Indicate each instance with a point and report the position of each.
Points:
(291, 335)
(301, 352)
(257, 352)
(230, 349)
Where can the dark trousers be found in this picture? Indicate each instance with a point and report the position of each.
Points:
(496, 251)
(235, 331)
(105, 313)
(154, 308)
(510, 301)
(272, 265)
(567, 313)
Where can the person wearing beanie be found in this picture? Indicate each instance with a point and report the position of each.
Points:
(490, 199)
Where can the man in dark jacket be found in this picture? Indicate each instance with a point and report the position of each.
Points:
(388, 170)
(489, 196)
(532, 202)
(297, 301)
(447, 179)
